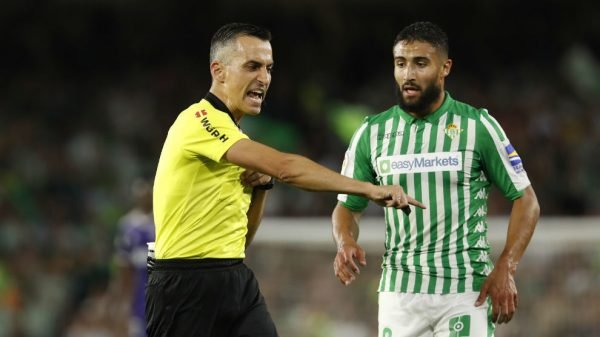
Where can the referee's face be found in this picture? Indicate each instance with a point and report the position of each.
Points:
(247, 75)
(420, 70)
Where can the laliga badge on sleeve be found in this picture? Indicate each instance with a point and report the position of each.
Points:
(514, 158)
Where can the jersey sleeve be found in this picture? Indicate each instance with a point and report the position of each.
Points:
(210, 133)
(357, 165)
(501, 162)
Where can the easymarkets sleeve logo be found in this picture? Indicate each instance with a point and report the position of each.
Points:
(420, 163)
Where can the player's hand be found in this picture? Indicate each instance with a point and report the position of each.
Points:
(344, 264)
(252, 178)
(500, 287)
(393, 196)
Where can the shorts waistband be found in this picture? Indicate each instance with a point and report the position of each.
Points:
(186, 264)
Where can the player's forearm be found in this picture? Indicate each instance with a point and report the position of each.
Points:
(523, 219)
(304, 173)
(255, 213)
(345, 225)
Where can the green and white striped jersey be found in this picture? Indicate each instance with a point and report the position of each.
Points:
(447, 160)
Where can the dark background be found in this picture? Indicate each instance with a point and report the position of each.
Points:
(89, 89)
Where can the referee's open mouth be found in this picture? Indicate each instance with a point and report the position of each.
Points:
(256, 95)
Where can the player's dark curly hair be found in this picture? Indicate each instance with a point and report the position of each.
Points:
(424, 31)
(230, 31)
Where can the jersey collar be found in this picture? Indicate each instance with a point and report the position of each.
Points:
(219, 105)
(432, 117)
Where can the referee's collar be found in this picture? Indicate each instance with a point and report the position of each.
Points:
(219, 105)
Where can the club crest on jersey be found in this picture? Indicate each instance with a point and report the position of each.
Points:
(514, 158)
(452, 130)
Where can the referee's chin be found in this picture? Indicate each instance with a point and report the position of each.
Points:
(253, 111)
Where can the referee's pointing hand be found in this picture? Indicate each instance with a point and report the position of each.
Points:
(394, 196)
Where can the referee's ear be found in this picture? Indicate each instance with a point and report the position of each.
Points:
(217, 71)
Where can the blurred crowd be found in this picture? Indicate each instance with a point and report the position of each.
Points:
(90, 89)
(559, 296)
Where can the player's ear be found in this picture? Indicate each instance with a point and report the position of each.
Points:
(446, 67)
(217, 70)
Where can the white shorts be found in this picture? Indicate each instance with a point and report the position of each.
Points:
(433, 315)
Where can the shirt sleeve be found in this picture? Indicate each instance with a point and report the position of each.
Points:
(357, 165)
(501, 162)
(210, 133)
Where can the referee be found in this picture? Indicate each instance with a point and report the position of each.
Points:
(209, 194)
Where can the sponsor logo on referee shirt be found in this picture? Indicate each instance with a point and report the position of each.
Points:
(209, 127)
(514, 158)
(420, 163)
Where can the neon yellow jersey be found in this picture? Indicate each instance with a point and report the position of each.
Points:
(200, 204)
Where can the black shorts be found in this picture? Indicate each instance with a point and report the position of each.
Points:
(205, 298)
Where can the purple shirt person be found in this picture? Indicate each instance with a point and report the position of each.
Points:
(136, 229)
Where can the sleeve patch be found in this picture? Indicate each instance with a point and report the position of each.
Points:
(514, 158)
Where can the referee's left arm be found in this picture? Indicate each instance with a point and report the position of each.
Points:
(260, 184)
(255, 213)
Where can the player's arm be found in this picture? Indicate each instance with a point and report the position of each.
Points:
(304, 173)
(345, 234)
(500, 284)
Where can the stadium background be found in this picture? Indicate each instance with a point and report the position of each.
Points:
(89, 89)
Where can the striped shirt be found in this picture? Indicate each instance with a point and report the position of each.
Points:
(448, 160)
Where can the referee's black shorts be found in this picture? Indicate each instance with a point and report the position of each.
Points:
(205, 298)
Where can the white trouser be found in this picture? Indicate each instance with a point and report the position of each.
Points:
(433, 315)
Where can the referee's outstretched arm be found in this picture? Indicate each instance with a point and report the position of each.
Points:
(304, 173)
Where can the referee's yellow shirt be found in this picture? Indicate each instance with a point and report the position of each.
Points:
(200, 204)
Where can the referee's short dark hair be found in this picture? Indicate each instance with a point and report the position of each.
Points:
(424, 31)
(231, 31)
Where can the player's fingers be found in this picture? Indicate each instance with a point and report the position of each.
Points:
(341, 276)
(353, 265)
(343, 263)
(508, 308)
(500, 312)
(482, 295)
(497, 314)
(344, 274)
(338, 270)
(511, 308)
(362, 257)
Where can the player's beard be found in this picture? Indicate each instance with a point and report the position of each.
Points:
(422, 105)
